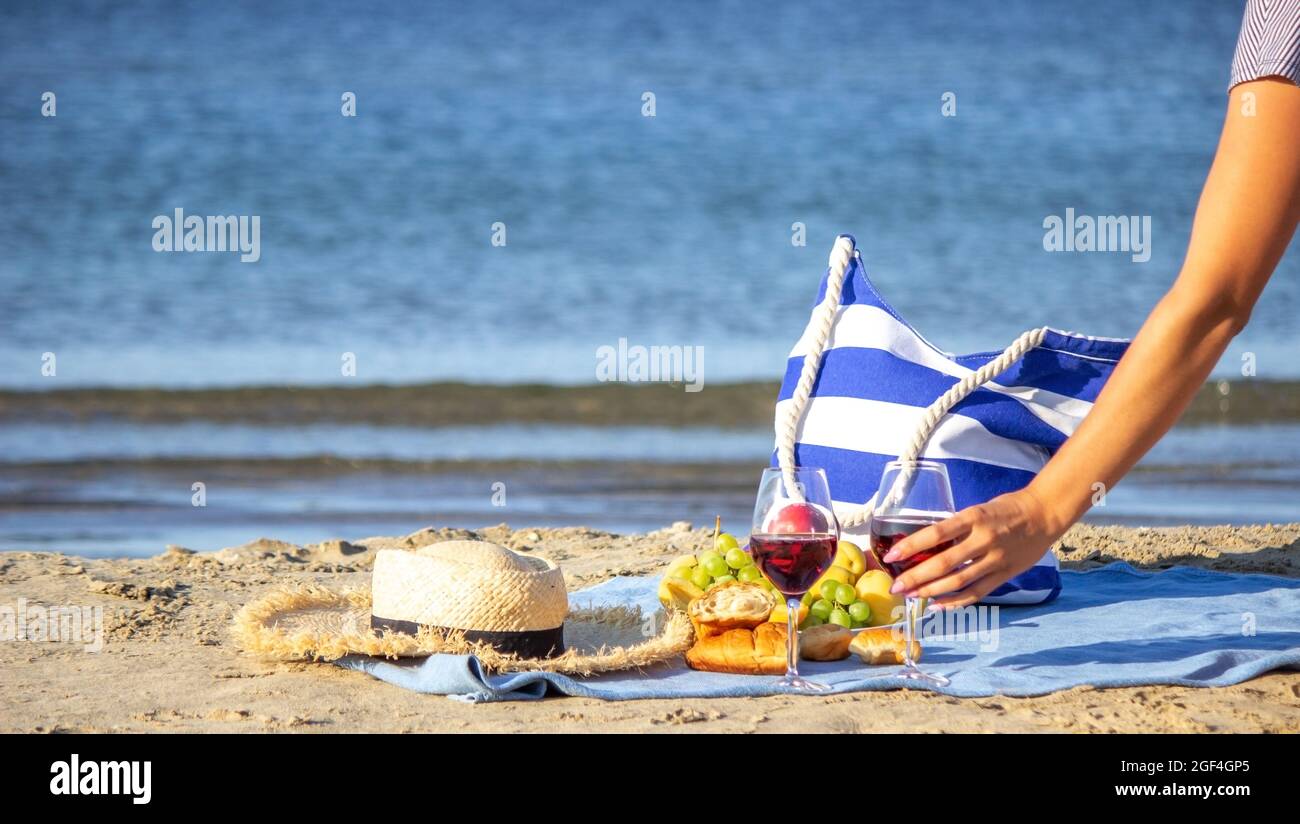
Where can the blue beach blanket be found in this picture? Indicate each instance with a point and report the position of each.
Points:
(1111, 627)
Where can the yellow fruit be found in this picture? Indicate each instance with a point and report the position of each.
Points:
(677, 593)
(873, 581)
(781, 613)
(849, 555)
(838, 574)
(873, 589)
(665, 594)
(679, 563)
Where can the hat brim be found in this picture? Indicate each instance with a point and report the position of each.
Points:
(312, 623)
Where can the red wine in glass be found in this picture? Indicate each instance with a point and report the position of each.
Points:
(793, 562)
(885, 532)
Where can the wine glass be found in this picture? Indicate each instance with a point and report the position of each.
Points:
(912, 496)
(793, 540)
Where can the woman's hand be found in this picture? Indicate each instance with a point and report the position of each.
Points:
(995, 542)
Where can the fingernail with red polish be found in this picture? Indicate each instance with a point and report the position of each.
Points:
(896, 588)
(890, 556)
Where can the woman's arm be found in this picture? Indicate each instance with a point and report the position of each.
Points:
(1246, 217)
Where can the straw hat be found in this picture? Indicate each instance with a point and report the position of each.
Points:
(515, 603)
(509, 609)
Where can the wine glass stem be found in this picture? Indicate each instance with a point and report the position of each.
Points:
(909, 630)
(792, 637)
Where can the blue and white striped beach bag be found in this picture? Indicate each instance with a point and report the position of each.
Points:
(862, 388)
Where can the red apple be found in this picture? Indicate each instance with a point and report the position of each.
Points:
(798, 519)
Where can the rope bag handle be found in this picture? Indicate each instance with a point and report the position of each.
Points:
(821, 324)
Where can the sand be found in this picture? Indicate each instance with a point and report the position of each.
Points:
(168, 663)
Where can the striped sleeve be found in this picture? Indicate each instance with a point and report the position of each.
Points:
(1269, 43)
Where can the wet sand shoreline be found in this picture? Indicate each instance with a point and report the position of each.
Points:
(724, 405)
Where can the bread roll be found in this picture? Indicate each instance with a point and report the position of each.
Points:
(731, 605)
(735, 605)
(882, 645)
(758, 651)
(828, 642)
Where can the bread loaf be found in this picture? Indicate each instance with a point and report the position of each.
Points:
(828, 642)
(758, 651)
(882, 645)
